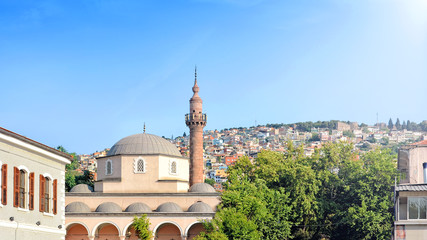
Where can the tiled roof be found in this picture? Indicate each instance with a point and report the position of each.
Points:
(412, 187)
(34, 143)
(424, 142)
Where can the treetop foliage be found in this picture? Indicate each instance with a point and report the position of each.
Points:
(336, 193)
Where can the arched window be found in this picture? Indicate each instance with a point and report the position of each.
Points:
(173, 167)
(139, 165)
(21, 189)
(109, 167)
(48, 194)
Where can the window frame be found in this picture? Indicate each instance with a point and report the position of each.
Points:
(171, 162)
(135, 165)
(48, 183)
(418, 198)
(106, 167)
(3, 184)
(26, 188)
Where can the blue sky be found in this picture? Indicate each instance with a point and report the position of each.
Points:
(85, 73)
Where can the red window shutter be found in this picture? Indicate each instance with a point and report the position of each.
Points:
(41, 201)
(31, 197)
(55, 183)
(15, 187)
(4, 184)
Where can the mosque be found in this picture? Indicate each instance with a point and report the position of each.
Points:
(146, 174)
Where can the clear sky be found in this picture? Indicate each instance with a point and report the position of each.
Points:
(86, 73)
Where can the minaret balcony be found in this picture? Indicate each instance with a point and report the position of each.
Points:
(196, 119)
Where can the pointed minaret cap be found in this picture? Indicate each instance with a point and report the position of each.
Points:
(195, 87)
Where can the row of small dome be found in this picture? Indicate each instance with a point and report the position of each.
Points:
(138, 207)
(196, 188)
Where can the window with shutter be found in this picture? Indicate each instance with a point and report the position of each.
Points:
(15, 187)
(46, 194)
(4, 184)
(55, 197)
(31, 197)
(22, 192)
(41, 192)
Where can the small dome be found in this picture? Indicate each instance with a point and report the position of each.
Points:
(82, 188)
(143, 143)
(201, 188)
(108, 207)
(77, 207)
(169, 207)
(138, 207)
(200, 207)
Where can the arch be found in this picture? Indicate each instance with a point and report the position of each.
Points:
(78, 234)
(22, 167)
(167, 236)
(129, 228)
(104, 223)
(197, 226)
(47, 175)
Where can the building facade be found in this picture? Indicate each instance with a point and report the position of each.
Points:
(411, 193)
(32, 198)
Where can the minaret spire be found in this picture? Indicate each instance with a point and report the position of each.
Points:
(195, 87)
(195, 74)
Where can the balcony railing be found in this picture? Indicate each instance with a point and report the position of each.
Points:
(196, 117)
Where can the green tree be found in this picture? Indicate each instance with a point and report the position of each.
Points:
(404, 125)
(210, 181)
(70, 181)
(142, 227)
(86, 178)
(408, 125)
(335, 193)
(314, 137)
(348, 133)
(390, 124)
(398, 126)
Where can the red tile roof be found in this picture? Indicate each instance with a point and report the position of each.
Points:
(424, 142)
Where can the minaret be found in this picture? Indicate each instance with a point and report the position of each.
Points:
(196, 121)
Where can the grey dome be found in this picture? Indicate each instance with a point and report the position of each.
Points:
(169, 207)
(143, 143)
(108, 207)
(201, 188)
(138, 207)
(82, 188)
(200, 207)
(77, 207)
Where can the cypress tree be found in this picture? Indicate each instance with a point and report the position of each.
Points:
(390, 124)
(398, 126)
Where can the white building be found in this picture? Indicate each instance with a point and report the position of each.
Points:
(32, 179)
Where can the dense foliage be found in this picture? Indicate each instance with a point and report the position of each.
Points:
(73, 177)
(334, 194)
(142, 227)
